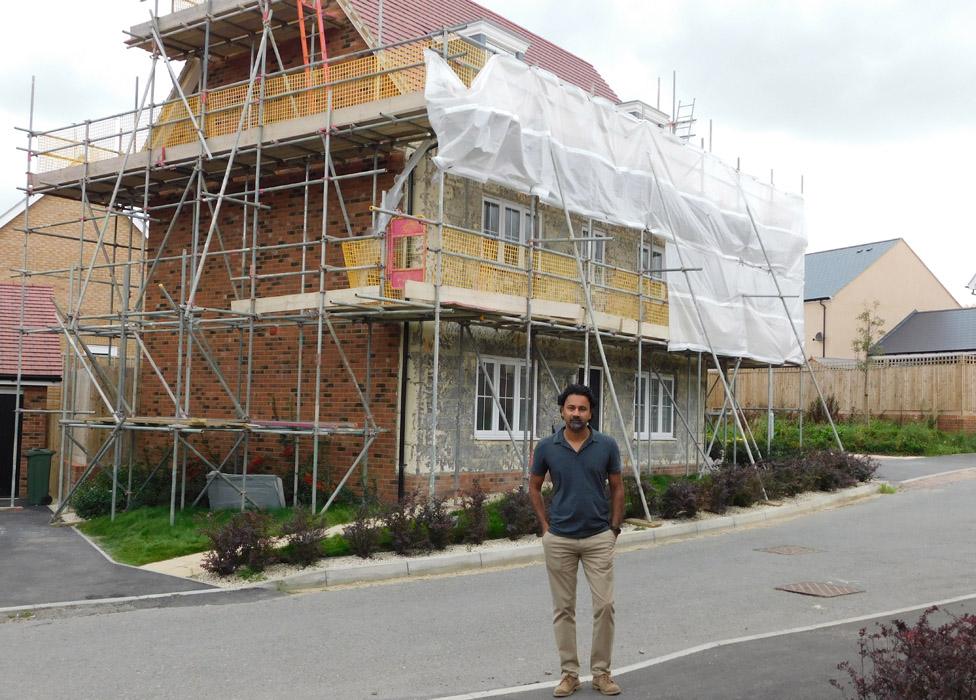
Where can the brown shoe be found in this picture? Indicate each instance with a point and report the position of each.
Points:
(567, 686)
(605, 684)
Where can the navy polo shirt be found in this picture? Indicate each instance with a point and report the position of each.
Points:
(580, 507)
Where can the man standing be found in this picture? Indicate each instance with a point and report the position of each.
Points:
(582, 527)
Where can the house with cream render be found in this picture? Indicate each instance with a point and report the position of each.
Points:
(843, 282)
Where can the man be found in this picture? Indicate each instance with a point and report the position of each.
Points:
(582, 527)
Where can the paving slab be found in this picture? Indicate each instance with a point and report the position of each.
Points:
(41, 563)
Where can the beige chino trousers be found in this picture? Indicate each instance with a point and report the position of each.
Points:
(563, 557)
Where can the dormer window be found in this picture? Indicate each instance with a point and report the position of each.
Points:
(495, 38)
(642, 110)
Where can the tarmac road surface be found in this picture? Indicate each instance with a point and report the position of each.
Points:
(464, 634)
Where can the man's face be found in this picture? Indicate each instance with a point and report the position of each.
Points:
(576, 412)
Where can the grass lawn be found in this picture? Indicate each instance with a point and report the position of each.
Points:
(144, 535)
(881, 437)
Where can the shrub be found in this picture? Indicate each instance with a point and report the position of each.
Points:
(304, 533)
(787, 478)
(731, 485)
(816, 412)
(406, 535)
(93, 497)
(915, 662)
(518, 514)
(680, 500)
(244, 540)
(474, 516)
(632, 503)
(362, 536)
(436, 524)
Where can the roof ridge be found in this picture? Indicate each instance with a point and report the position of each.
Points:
(856, 245)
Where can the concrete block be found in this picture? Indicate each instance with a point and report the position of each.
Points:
(723, 523)
(371, 572)
(676, 530)
(521, 555)
(637, 537)
(444, 564)
(741, 519)
(309, 579)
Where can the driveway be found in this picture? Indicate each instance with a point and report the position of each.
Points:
(40, 563)
(902, 468)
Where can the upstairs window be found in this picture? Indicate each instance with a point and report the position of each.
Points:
(595, 253)
(652, 260)
(511, 224)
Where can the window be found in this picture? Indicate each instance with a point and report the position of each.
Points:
(652, 260)
(508, 379)
(654, 413)
(595, 253)
(510, 224)
(495, 38)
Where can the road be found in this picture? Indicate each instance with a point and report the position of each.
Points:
(479, 632)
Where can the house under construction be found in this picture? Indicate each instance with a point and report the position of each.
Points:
(330, 292)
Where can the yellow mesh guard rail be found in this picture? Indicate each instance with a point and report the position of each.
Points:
(482, 263)
(289, 95)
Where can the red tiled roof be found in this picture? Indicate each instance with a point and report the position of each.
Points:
(42, 351)
(405, 19)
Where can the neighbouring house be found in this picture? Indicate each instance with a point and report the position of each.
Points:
(972, 285)
(40, 373)
(931, 333)
(307, 256)
(841, 283)
(61, 247)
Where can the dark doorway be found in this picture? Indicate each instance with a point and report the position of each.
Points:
(7, 462)
(595, 382)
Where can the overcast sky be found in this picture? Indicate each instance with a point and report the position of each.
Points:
(873, 102)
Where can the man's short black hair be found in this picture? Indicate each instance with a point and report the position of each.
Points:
(578, 390)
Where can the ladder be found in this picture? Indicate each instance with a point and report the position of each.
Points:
(317, 21)
(684, 120)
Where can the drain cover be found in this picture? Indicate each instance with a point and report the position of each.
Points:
(820, 589)
(788, 549)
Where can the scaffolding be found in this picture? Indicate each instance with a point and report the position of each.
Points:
(213, 174)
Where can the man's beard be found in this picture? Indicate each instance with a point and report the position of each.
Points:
(576, 423)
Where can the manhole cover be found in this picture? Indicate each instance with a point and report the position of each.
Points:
(788, 549)
(820, 589)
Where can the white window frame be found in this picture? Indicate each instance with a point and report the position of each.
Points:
(656, 433)
(649, 252)
(503, 235)
(497, 430)
(595, 255)
(495, 38)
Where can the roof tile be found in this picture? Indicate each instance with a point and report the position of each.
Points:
(42, 351)
(945, 330)
(405, 19)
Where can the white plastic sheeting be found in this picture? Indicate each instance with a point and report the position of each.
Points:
(522, 128)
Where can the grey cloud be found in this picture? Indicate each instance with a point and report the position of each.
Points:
(843, 70)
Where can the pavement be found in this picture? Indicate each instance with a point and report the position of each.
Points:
(763, 666)
(898, 469)
(42, 564)
(46, 565)
(682, 604)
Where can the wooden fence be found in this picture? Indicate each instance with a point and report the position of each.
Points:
(896, 387)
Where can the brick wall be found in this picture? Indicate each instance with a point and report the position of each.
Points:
(55, 215)
(958, 423)
(274, 353)
(33, 430)
(340, 40)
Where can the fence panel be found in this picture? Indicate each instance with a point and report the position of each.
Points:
(926, 386)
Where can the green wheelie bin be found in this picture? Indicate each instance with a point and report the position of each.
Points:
(38, 476)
